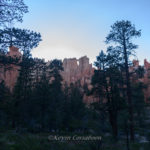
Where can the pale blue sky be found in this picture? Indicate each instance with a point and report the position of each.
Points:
(74, 28)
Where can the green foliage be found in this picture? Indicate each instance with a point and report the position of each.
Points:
(22, 92)
(23, 39)
(140, 72)
(74, 109)
(5, 60)
(138, 103)
(107, 86)
(11, 10)
(5, 98)
(121, 35)
(123, 30)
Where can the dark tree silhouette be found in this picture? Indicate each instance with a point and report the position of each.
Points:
(121, 34)
(106, 83)
(24, 39)
(11, 10)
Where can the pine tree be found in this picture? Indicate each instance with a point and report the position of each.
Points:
(5, 98)
(75, 109)
(121, 34)
(22, 91)
(107, 86)
(12, 10)
(56, 94)
(23, 39)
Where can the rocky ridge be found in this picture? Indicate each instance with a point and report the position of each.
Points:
(75, 70)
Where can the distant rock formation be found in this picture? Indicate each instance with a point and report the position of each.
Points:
(14, 52)
(79, 71)
(146, 79)
(9, 72)
(75, 71)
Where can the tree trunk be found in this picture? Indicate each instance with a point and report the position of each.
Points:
(127, 136)
(13, 124)
(113, 122)
(129, 94)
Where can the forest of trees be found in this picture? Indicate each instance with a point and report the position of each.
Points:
(40, 103)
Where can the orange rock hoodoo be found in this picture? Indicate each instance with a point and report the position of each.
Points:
(77, 70)
(9, 73)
